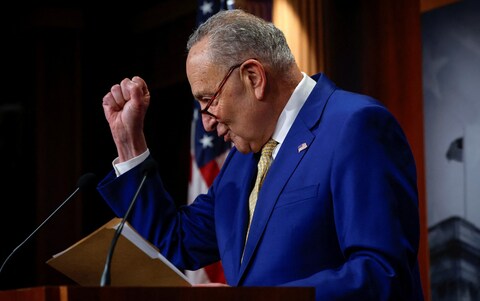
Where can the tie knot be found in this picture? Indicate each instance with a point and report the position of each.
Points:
(267, 149)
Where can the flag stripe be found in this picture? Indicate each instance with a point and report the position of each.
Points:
(209, 172)
(208, 152)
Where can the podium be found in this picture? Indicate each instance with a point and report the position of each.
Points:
(81, 293)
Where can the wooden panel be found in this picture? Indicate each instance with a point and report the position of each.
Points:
(301, 23)
(260, 8)
(427, 5)
(65, 293)
(58, 139)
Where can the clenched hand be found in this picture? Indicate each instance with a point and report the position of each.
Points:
(125, 107)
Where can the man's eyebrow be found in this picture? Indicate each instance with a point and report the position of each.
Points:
(199, 95)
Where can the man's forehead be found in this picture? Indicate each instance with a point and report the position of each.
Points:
(197, 62)
(199, 67)
(201, 75)
(201, 70)
(199, 51)
(198, 58)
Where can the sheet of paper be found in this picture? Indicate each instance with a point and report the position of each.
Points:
(135, 261)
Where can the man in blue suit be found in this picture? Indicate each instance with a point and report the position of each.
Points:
(338, 208)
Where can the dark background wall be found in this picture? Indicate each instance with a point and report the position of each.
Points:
(59, 60)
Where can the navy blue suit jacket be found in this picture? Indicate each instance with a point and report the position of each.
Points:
(340, 215)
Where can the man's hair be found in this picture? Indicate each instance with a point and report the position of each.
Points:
(235, 36)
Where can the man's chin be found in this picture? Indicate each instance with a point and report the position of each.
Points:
(244, 150)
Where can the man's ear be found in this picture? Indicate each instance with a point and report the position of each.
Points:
(254, 76)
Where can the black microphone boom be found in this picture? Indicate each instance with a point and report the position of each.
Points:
(148, 166)
(85, 181)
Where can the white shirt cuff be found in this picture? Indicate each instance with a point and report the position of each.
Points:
(123, 167)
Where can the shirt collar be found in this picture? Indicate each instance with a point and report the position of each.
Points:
(291, 109)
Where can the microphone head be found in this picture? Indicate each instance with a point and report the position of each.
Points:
(87, 180)
(149, 166)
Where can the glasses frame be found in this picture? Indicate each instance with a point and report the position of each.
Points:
(219, 89)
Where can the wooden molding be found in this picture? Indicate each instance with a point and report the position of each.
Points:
(428, 5)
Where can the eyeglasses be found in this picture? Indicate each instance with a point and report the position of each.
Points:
(215, 95)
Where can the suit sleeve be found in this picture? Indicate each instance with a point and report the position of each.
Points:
(374, 195)
(185, 235)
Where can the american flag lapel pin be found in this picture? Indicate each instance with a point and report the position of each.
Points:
(302, 146)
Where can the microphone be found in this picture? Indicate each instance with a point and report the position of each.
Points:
(148, 167)
(85, 181)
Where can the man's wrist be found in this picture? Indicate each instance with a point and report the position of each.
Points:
(123, 167)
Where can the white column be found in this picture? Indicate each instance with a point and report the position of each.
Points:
(472, 173)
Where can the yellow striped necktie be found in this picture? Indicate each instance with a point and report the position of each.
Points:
(263, 166)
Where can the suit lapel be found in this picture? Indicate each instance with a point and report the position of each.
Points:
(291, 153)
(280, 171)
(232, 256)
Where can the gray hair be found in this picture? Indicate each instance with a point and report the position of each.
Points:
(235, 36)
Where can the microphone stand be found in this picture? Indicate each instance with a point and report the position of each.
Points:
(105, 279)
(84, 181)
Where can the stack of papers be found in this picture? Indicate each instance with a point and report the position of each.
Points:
(135, 261)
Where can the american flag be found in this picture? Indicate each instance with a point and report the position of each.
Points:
(207, 152)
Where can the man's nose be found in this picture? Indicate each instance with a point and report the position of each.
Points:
(209, 122)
